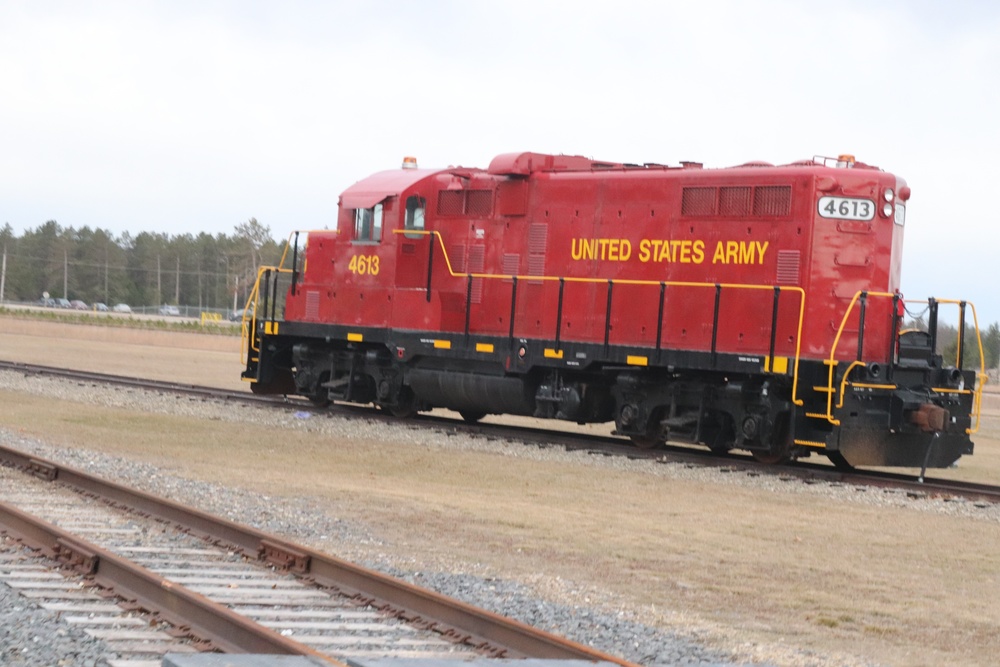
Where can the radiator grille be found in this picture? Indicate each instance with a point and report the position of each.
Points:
(538, 238)
(788, 267)
(477, 260)
(761, 201)
(312, 305)
(511, 265)
(734, 201)
(479, 203)
(471, 203)
(451, 202)
(538, 242)
(772, 200)
(536, 267)
(698, 201)
(457, 257)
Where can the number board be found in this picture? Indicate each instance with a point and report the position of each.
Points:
(846, 208)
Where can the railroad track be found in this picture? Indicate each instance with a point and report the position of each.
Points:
(185, 581)
(542, 437)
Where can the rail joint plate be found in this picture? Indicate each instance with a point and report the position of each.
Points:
(284, 557)
(76, 556)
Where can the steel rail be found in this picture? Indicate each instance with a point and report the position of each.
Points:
(571, 441)
(142, 383)
(463, 623)
(211, 624)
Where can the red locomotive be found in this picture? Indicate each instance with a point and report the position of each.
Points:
(753, 307)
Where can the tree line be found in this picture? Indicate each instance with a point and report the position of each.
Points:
(147, 269)
(213, 272)
(990, 336)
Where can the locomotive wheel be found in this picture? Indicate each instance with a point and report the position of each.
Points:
(406, 405)
(471, 416)
(781, 449)
(320, 400)
(647, 441)
(771, 458)
(320, 396)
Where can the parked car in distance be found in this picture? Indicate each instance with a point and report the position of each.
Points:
(238, 315)
(121, 308)
(172, 311)
(62, 303)
(76, 304)
(47, 302)
(100, 307)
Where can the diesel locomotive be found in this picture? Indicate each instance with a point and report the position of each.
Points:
(755, 307)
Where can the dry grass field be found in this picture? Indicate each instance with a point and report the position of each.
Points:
(765, 574)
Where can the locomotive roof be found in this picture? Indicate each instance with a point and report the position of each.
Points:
(381, 185)
(371, 190)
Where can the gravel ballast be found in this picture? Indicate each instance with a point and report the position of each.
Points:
(31, 636)
(552, 605)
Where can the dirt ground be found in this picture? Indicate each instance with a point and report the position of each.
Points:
(764, 574)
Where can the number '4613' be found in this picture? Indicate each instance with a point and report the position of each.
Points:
(846, 208)
(364, 265)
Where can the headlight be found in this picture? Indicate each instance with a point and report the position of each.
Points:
(887, 209)
(889, 194)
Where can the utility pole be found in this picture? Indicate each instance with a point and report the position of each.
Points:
(158, 292)
(3, 274)
(177, 286)
(65, 274)
(106, 297)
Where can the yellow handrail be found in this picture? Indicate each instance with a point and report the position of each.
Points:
(249, 334)
(498, 276)
(248, 337)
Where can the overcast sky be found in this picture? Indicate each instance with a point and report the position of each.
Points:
(182, 117)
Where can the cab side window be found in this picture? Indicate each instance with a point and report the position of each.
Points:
(368, 224)
(415, 213)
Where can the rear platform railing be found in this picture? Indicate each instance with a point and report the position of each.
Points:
(860, 301)
(263, 303)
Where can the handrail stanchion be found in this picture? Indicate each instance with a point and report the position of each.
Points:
(961, 334)
(774, 329)
(862, 312)
(295, 263)
(932, 322)
(430, 268)
(513, 309)
(607, 319)
(893, 337)
(659, 320)
(468, 308)
(266, 294)
(559, 309)
(715, 323)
